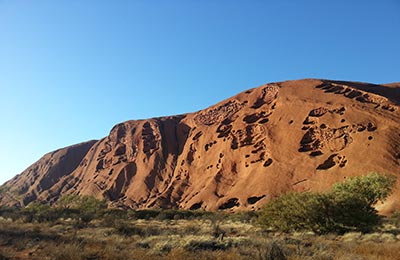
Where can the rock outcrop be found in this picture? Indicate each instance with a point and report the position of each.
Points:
(289, 136)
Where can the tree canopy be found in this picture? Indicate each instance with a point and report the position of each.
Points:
(348, 206)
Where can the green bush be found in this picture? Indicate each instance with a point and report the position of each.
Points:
(126, 229)
(38, 212)
(242, 216)
(296, 211)
(87, 204)
(143, 214)
(371, 188)
(353, 201)
(10, 212)
(88, 207)
(349, 206)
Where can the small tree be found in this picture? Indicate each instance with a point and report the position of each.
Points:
(294, 211)
(370, 188)
(86, 204)
(353, 201)
(87, 207)
(40, 212)
(348, 206)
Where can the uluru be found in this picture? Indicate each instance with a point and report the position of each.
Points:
(301, 135)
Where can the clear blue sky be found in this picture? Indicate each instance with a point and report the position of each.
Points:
(70, 70)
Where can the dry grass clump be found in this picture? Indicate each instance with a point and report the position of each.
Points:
(351, 236)
(372, 251)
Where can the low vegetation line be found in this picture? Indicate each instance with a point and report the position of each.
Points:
(339, 224)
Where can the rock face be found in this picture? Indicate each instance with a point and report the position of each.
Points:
(290, 136)
(41, 176)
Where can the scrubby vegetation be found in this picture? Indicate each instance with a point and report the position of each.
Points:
(349, 206)
(123, 236)
(83, 228)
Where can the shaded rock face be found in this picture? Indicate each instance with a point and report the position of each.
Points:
(290, 136)
(41, 176)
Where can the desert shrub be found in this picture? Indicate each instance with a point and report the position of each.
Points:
(111, 216)
(65, 252)
(86, 204)
(91, 204)
(169, 214)
(39, 212)
(352, 202)
(144, 214)
(10, 212)
(349, 206)
(175, 214)
(66, 213)
(244, 216)
(193, 229)
(370, 188)
(351, 214)
(198, 245)
(115, 214)
(295, 211)
(273, 252)
(126, 229)
(87, 207)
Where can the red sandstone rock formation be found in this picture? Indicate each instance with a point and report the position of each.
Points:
(296, 135)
